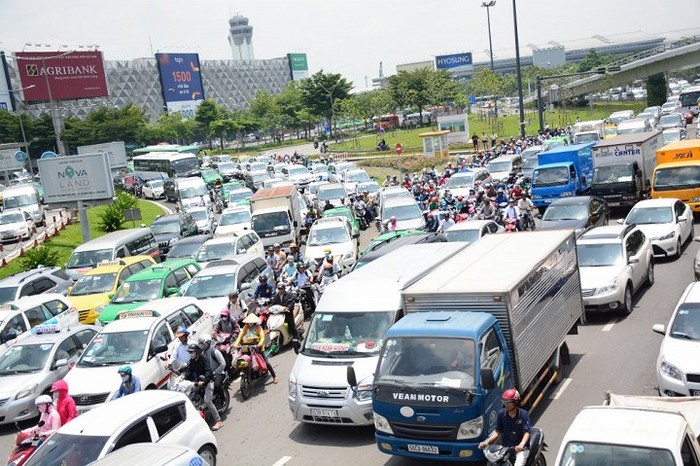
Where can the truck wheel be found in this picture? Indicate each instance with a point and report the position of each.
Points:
(628, 305)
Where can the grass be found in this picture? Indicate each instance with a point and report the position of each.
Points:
(72, 236)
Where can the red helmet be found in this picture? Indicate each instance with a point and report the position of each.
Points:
(225, 312)
(511, 395)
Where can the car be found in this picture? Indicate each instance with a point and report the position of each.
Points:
(254, 179)
(673, 134)
(391, 192)
(141, 338)
(406, 210)
(203, 218)
(31, 365)
(211, 177)
(333, 193)
(671, 120)
(187, 248)
(614, 262)
(150, 416)
(229, 170)
(169, 229)
(297, 174)
(33, 282)
(383, 239)
(16, 225)
(472, 230)
(578, 213)
(371, 187)
(227, 188)
(655, 111)
(224, 247)
(96, 287)
(158, 281)
(670, 107)
(408, 237)
(460, 183)
(234, 220)
(335, 171)
(255, 166)
(155, 454)
(677, 365)
(311, 191)
(333, 233)
(352, 177)
(649, 117)
(529, 167)
(153, 189)
(251, 137)
(345, 212)
(212, 285)
(667, 222)
(274, 182)
(239, 197)
(320, 171)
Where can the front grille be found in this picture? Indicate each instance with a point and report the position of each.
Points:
(329, 420)
(694, 378)
(588, 293)
(87, 400)
(3, 401)
(163, 245)
(425, 432)
(324, 393)
(82, 315)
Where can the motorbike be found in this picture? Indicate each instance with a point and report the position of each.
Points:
(498, 455)
(26, 444)
(361, 215)
(528, 222)
(224, 343)
(511, 225)
(248, 370)
(280, 334)
(221, 399)
(307, 300)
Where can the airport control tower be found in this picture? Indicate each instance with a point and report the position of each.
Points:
(240, 36)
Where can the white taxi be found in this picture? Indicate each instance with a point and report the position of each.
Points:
(142, 338)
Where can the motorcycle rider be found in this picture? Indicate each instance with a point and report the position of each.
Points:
(303, 281)
(289, 271)
(294, 253)
(487, 209)
(252, 333)
(446, 223)
(264, 289)
(512, 426)
(47, 414)
(526, 207)
(236, 307)
(64, 403)
(513, 213)
(501, 196)
(392, 224)
(283, 298)
(431, 223)
(226, 324)
(198, 366)
(216, 360)
(130, 383)
(180, 353)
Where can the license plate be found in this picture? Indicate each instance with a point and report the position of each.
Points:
(324, 413)
(431, 449)
(695, 393)
(613, 204)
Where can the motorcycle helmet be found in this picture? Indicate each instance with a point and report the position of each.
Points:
(262, 278)
(495, 453)
(43, 400)
(204, 340)
(125, 370)
(510, 395)
(393, 219)
(194, 348)
(225, 313)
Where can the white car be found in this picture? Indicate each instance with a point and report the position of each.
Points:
(461, 182)
(141, 338)
(673, 134)
(225, 247)
(150, 416)
(234, 221)
(473, 230)
(153, 189)
(312, 191)
(320, 171)
(297, 174)
(15, 225)
(334, 193)
(203, 218)
(668, 223)
(407, 213)
(352, 177)
(334, 233)
(678, 365)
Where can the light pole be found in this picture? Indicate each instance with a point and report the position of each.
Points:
(330, 97)
(521, 105)
(488, 6)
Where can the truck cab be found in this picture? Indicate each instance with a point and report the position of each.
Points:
(561, 172)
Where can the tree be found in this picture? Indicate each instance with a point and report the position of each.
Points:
(442, 90)
(320, 92)
(593, 60)
(410, 89)
(207, 112)
(487, 83)
(656, 89)
(266, 111)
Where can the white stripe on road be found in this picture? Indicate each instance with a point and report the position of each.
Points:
(565, 383)
(283, 460)
(609, 326)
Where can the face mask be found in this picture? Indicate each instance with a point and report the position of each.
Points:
(125, 377)
(55, 396)
(224, 317)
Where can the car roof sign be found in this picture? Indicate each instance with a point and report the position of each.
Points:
(137, 313)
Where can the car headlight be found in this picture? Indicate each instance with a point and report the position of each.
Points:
(612, 286)
(695, 199)
(173, 241)
(666, 236)
(364, 392)
(292, 389)
(470, 429)
(99, 309)
(671, 370)
(381, 424)
(566, 194)
(26, 391)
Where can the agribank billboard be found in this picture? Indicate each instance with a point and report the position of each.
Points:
(61, 75)
(76, 178)
(181, 80)
(298, 66)
(456, 62)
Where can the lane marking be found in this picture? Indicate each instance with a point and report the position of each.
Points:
(609, 326)
(283, 460)
(565, 383)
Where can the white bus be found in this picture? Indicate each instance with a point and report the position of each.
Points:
(689, 100)
(162, 165)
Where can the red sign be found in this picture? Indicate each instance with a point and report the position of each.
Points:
(399, 148)
(61, 75)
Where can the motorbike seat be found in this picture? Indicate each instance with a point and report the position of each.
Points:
(536, 439)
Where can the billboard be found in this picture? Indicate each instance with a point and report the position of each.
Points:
(116, 152)
(181, 81)
(298, 66)
(456, 62)
(415, 66)
(76, 178)
(12, 160)
(61, 75)
(7, 100)
(457, 125)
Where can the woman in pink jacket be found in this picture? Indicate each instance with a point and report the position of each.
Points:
(50, 417)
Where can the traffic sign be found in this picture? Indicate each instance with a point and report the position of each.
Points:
(20, 156)
(48, 155)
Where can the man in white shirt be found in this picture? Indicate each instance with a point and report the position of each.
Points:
(446, 223)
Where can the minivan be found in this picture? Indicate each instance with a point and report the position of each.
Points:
(501, 167)
(187, 192)
(25, 198)
(118, 244)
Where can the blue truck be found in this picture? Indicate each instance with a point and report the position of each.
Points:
(561, 172)
(467, 337)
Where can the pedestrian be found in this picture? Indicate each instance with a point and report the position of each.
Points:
(484, 140)
(475, 141)
(494, 137)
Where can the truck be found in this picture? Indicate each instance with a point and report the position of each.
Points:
(561, 172)
(622, 167)
(640, 430)
(589, 131)
(677, 172)
(277, 215)
(348, 328)
(468, 337)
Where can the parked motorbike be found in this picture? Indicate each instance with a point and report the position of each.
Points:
(280, 334)
(26, 444)
(498, 455)
(248, 369)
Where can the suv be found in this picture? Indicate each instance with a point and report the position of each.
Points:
(614, 263)
(168, 229)
(225, 247)
(33, 282)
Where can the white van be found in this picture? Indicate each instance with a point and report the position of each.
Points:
(187, 192)
(348, 328)
(25, 198)
(115, 245)
(501, 167)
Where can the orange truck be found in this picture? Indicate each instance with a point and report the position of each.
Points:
(677, 172)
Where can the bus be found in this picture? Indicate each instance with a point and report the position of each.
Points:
(689, 100)
(162, 165)
(171, 148)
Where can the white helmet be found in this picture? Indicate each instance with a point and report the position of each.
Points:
(204, 339)
(43, 399)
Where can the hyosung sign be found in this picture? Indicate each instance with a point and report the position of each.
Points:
(76, 178)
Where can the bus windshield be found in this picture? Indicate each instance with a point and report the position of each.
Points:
(690, 98)
(184, 166)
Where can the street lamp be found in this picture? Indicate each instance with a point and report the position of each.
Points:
(488, 6)
(521, 105)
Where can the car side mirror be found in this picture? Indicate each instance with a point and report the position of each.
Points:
(633, 260)
(620, 221)
(157, 349)
(60, 363)
(172, 291)
(659, 328)
(245, 286)
(682, 218)
(352, 378)
(487, 380)
(696, 238)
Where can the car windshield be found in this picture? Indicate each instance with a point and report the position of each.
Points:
(462, 235)
(608, 454)
(184, 250)
(671, 135)
(345, 213)
(166, 228)
(500, 166)
(460, 181)
(272, 222)
(156, 184)
(199, 215)
(19, 201)
(319, 168)
(64, 449)
(550, 176)
(357, 176)
(530, 163)
(613, 174)
(600, 254)
(260, 177)
(258, 166)
(137, 291)
(14, 217)
(240, 196)
(189, 193)
(322, 236)
(331, 193)
(7, 294)
(670, 120)
(295, 171)
(371, 187)
(676, 178)
(227, 167)
(107, 349)
(447, 362)
(92, 284)
(347, 333)
(24, 358)
(89, 258)
(686, 323)
(403, 212)
(185, 166)
(233, 218)
(565, 212)
(211, 286)
(216, 251)
(650, 215)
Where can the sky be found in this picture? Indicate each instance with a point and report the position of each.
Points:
(349, 37)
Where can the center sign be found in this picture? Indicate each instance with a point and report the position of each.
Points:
(76, 178)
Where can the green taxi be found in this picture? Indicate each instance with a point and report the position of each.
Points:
(210, 177)
(384, 238)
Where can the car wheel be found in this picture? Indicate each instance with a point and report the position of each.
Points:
(208, 454)
(628, 305)
(650, 274)
(678, 248)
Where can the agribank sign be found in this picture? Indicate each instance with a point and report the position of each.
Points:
(457, 62)
(76, 178)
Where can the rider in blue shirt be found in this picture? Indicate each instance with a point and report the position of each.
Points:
(264, 289)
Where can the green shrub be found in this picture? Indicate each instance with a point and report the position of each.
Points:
(42, 255)
(113, 216)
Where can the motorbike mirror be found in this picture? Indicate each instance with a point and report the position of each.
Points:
(244, 286)
(201, 378)
(60, 363)
(487, 380)
(352, 378)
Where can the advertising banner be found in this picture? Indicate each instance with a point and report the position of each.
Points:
(456, 62)
(7, 100)
(12, 160)
(181, 80)
(76, 178)
(61, 75)
(116, 152)
(298, 65)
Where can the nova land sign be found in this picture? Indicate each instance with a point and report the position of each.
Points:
(76, 178)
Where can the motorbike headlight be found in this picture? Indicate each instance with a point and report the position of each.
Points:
(671, 370)
(26, 391)
(364, 392)
(667, 236)
(292, 389)
(381, 424)
(609, 287)
(470, 429)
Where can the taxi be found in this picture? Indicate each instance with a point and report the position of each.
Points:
(98, 285)
(142, 338)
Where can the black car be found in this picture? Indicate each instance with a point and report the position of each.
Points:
(387, 247)
(578, 213)
(186, 248)
(169, 229)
